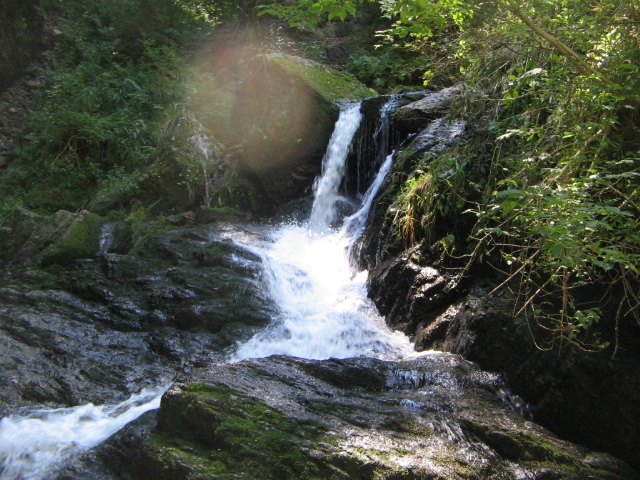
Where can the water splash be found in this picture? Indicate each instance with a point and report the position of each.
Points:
(324, 309)
(33, 447)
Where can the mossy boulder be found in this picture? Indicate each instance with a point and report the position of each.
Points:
(331, 84)
(283, 117)
(61, 238)
(437, 417)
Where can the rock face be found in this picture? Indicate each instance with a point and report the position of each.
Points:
(284, 116)
(96, 326)
(414, 116)
(584, 397)
(433, 417)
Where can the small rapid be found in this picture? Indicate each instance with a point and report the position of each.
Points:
(324, 309)
(35, 446)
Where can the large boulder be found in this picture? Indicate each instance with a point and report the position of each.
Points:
(283, 117)
(61, 238)
(416, 115)
(433, 417)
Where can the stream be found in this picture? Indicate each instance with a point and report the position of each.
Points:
(324, 312)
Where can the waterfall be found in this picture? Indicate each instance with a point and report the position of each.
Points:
(324, 309)
(33, 447)
(326, 187)
(353, 225)
(323, 312)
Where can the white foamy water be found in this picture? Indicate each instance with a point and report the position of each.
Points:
(323, 212)
(353, 225)
(33, 447)
(324, 307)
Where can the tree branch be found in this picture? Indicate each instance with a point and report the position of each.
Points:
(579, 63)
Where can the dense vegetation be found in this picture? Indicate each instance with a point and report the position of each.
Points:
(550, 170)
(114, 111)
(545, 188)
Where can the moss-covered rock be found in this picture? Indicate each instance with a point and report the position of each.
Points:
(80, 240)
(61, 238)
(437, 417)
(283, 117)
(329, 83)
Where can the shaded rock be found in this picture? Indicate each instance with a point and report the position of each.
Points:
(416, 115)
(433, 417)
(61, 238)
(410, 292)
(283, 116)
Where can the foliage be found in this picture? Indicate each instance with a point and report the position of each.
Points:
(309, 13)
(433, 192)
(553, 90)
(113, 80)
(387, 68)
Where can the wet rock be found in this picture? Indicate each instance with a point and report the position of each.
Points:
(416, 115)
(116, 237)
(92, 330)
(433, 417)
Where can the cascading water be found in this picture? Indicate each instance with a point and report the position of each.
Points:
(353, 225)
(325, 311)
(35, 446)
(323, 212)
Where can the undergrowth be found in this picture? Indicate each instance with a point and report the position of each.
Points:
(551, 171)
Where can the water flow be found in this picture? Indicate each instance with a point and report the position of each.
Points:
(353, 225)
(324, 307)
(324, 312)
(33, 447)
(323, 212)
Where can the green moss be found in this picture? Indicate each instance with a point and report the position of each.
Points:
(231, 436)
(216, 392)
(49, 196)
(519, 446)
(329, 83)
(81, 240)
